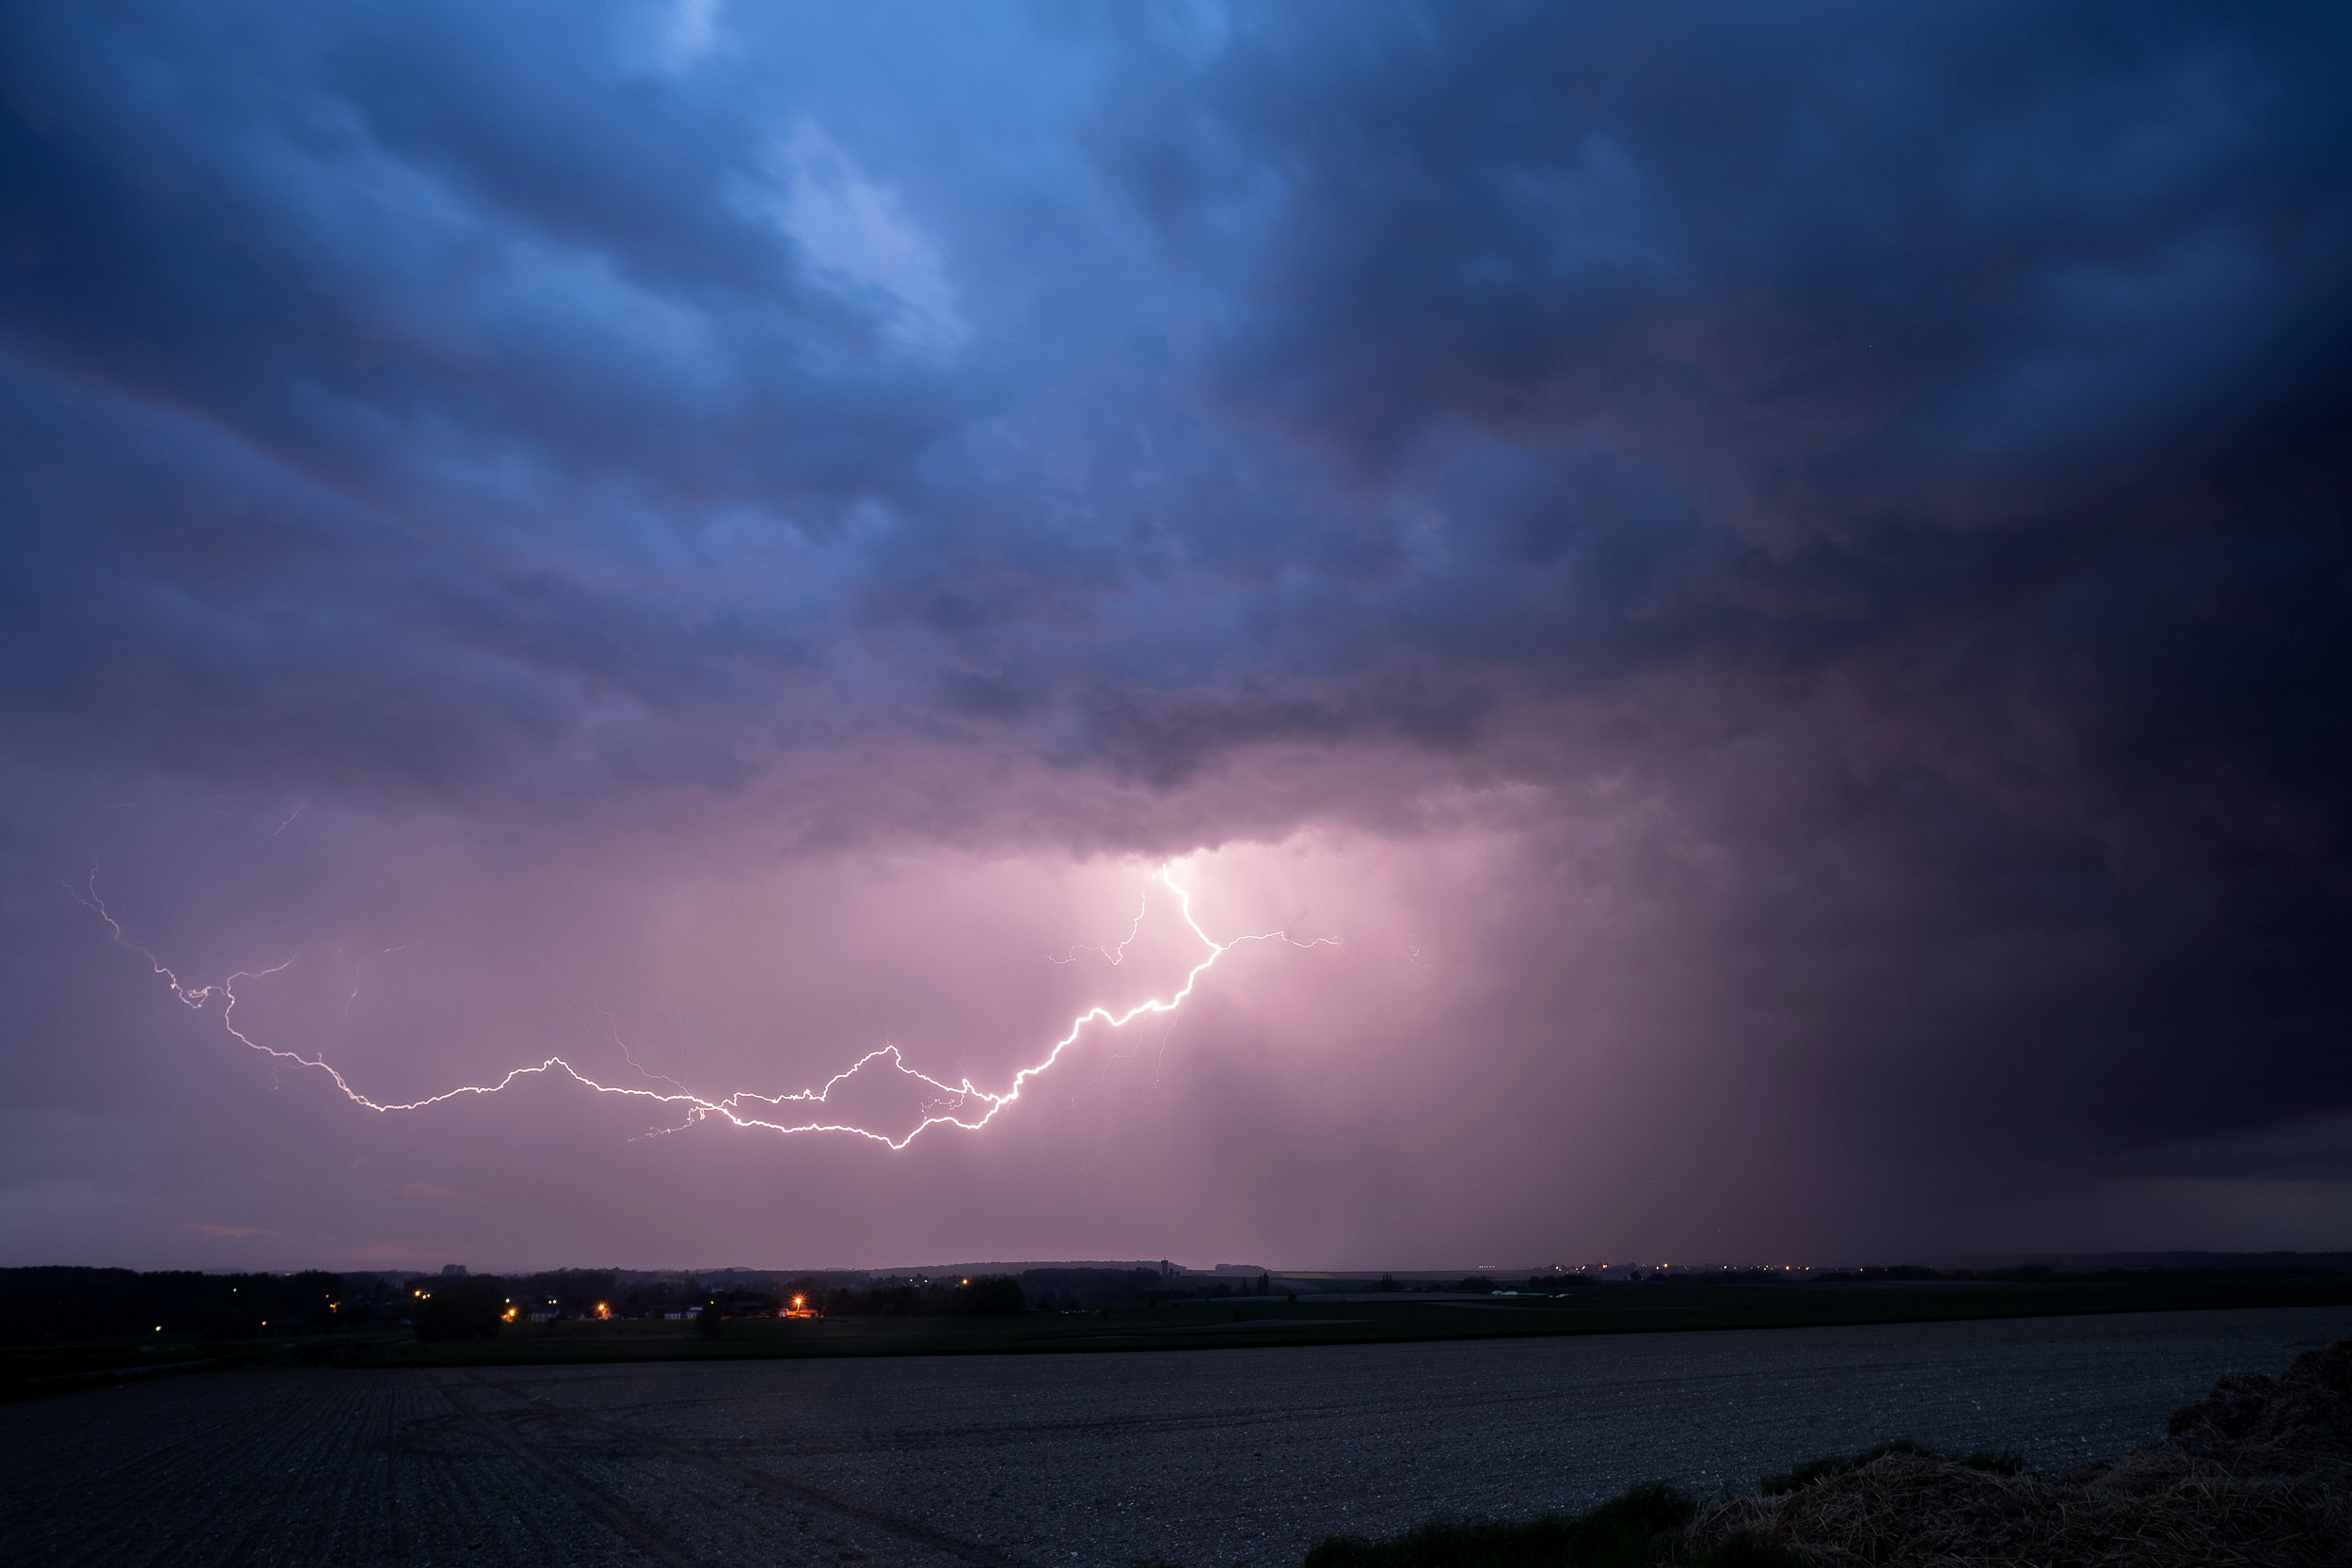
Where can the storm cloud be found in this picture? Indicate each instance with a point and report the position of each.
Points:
(1779, 573)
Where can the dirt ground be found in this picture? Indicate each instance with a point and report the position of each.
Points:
(1208, 1457)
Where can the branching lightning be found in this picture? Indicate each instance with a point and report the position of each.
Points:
(1119, 955)
(963, 1104)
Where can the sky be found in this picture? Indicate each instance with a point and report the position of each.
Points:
(1760, 592)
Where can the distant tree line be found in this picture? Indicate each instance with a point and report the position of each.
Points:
(1187, 1287)
(2319, 1266)
(982, 1295)
(1540, 1283)
(444, 1308)
(467, 1309)
(46, 1303)
(1069, 1288)
(475, 1307)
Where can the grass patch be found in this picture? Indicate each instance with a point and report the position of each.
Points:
(1643, 1528)
(1998, 1462)
(1637, 1529)
(1746, 1549)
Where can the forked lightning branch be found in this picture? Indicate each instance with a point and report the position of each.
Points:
(964, 1104)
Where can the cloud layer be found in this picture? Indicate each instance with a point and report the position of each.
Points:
(1786, 568)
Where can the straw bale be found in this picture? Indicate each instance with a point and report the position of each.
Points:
(2257, 1474)
(2152, 1510)
(2309, 1406)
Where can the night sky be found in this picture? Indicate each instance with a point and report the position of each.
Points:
(1775, 576)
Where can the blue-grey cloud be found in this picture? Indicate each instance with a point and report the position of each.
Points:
(1904, 446)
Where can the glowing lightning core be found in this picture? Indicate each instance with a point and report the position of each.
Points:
(956, 1106)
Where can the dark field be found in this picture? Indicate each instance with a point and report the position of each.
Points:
(48, 1366)
(1220, 1456)
(1372, 1318)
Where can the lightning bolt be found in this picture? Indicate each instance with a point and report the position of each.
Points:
(611, 1028)
(1118, 954)
(963, 1104)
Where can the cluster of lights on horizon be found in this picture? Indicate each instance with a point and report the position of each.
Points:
(950, 1105)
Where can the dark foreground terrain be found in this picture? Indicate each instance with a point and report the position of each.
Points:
(1209, 1458)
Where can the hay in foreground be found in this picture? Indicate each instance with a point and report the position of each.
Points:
(2258, 1472)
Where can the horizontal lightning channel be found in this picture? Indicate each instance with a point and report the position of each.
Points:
(965, 1097)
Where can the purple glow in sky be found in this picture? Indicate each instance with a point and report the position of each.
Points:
(1774, 581)
(878, 1095)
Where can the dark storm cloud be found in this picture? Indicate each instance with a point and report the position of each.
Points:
(1916, 320)
(1800, 248)
(350, 238)
(1908, 445)
(1979, 373)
